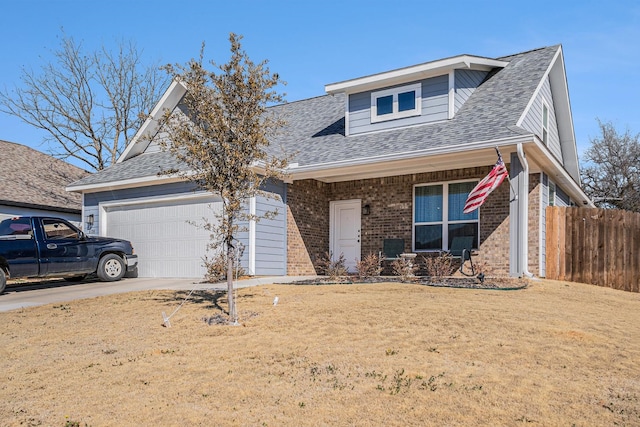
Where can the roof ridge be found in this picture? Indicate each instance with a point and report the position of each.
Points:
(529, 51)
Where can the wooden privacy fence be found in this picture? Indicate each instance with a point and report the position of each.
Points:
(596, 246)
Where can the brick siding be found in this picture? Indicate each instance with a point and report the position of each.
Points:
(391, 203)
(307, 226)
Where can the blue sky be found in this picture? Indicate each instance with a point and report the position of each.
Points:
(311, 44)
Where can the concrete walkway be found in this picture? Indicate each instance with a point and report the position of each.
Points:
(55, 291)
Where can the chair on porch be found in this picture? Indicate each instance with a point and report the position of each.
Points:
(461, 248)
(392, 248)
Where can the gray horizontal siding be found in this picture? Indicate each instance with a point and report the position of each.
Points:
(92, 200)
(435, 107)
(533, 120)
(562, 198)
(466, 82)
(154, 144)
(271, 244)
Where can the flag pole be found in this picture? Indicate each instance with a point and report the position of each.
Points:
(515, 195)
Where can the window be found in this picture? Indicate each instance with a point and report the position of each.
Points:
(15, 227)
(545, 122)
(438, 217)
(552, 193)
(54, 229)
(396, 103)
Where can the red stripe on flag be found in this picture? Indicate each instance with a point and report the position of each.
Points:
(479, 194)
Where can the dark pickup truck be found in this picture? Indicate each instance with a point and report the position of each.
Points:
(53, 247)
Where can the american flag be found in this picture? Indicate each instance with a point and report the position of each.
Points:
(479, 194)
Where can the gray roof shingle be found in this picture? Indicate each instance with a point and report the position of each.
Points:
(32, 178)
(315, 130)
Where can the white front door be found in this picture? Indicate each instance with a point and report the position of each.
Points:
(344, 237)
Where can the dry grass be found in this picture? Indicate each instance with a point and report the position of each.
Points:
(358, 355)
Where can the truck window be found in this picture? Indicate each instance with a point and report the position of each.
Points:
(54, 229)
(15, 227)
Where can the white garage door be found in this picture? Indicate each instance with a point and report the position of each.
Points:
(166, 243)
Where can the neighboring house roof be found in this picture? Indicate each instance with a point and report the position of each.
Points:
(315, 136)
(34, 179)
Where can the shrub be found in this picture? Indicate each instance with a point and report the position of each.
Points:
(217, 265)
(439, 266)
(369, 266)
(333, 268)
(405, 268)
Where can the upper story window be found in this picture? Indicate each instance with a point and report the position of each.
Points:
(545, 123)
(396, 103)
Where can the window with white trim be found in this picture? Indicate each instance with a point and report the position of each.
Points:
(396, 103)
(438, 216)
(552, 193)
(545, 122)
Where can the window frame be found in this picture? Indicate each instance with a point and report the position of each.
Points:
(552, 194)
(545, 127)
(395, 113)
(444, 223)
(47, 223)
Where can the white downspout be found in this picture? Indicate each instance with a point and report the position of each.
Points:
(523, 211)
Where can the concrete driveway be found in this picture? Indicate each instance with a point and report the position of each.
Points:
(54, 291)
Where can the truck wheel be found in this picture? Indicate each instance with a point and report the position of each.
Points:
(111, 268)
(3, 280)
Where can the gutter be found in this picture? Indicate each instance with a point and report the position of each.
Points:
(406, 155)
(523, 211)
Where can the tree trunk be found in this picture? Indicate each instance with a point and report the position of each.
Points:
(233, 316)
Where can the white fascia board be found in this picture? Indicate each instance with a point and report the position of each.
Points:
(127, 183)
(143, 181)
(538, 88)
(320, 170)
(452, 94)
(415, 72)
(168, 101)
(575, 189)
(562, 106)
(560, 89)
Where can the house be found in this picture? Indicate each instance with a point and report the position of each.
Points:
(391, 155)
(33, 183)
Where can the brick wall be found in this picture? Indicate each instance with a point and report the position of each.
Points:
(534, 222)
(307, 225)
(391, 203)
(494, 231)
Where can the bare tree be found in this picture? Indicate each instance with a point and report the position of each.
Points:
(90, 105)
(611, 177)
(224, 138)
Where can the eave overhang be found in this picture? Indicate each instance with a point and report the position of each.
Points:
(141, 139)
(414, 73)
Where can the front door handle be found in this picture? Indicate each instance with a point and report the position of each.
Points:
(52, 246)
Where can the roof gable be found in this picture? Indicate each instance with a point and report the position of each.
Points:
(315, 132)
(149, 128)
(556, 74)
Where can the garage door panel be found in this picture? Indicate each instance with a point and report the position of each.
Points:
(166, 243)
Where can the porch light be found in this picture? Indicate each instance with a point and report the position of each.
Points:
(90, 221)
(366, 210)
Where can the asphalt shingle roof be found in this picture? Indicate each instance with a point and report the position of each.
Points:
(315, 130)
(29, 177)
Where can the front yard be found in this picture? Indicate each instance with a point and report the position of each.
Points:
(554, 353)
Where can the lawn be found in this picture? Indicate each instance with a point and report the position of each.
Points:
(388, 354)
